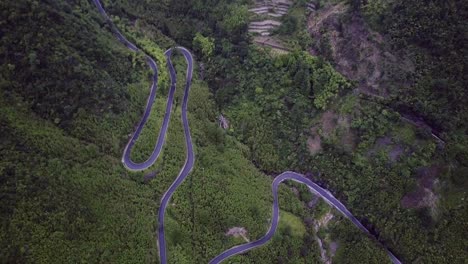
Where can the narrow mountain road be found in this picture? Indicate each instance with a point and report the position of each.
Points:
(314, 188)
(189, 161)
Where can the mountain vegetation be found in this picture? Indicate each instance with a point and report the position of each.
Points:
(70, 94)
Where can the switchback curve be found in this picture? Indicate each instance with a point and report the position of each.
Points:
(189, 161)
(314, 188)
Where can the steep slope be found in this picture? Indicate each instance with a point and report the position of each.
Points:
(357, 51)
(392, 52)
(70, 95)
(67, 106)
(67, 103)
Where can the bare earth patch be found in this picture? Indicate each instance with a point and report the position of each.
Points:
(356, 51)
(271, 42)
(329, 123)
(314, 142)
(333, 248)
(332, 125)
(238, 232)
(347, 136)
(395, 151)
(323, 222)
(423, 195)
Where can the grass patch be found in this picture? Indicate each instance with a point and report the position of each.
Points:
(295, 223)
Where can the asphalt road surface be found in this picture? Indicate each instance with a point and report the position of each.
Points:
(190, 158)
(314, 188)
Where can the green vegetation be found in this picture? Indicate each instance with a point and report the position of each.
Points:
(293, 29)
(70, 94)
(65, 119)
(292, 222)
(204, 45)
(355, 246)
(274, 111)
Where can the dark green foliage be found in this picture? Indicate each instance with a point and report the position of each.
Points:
(70, 94)
(432, 34)
(274, 102)
(61, 206)
(52, 57)
(67, 107)
(356, 247)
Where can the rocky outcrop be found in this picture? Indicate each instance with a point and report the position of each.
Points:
(238, 232)
(356, 51)
(321, 223)
(223, 122)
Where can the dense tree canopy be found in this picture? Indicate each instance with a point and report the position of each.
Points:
(70, 94)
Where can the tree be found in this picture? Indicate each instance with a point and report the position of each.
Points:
(355, 5)
(202, 44)
(236, 18)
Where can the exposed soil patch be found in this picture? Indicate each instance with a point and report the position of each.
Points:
(395, 153)
(329, 123)
(333, 127)
(333, 248)
(238, 232)
(312, 203)
(394, 150)
(314, 142)
(149, 176)
(356, 51)
(321, 16)
(323, 222)
(269, 42)
(428, 176)
(423, 195)
(346, 135)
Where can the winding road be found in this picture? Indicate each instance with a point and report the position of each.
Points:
(314, 188)
(189, 160)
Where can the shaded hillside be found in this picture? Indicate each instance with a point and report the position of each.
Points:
(70, 94)
(405, 56)
(358, 52)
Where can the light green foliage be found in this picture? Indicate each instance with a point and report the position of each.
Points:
(69, 103)
(288, 220)
(320, 209)
(204, 44)
(328, 83)
(274, 105)
(235, 18)
(348, 104)
(406, 134)
(149, 47)
(72, 203)
(69, 199)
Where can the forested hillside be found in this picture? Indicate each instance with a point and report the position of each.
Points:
(71, 93)
(70, 96)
